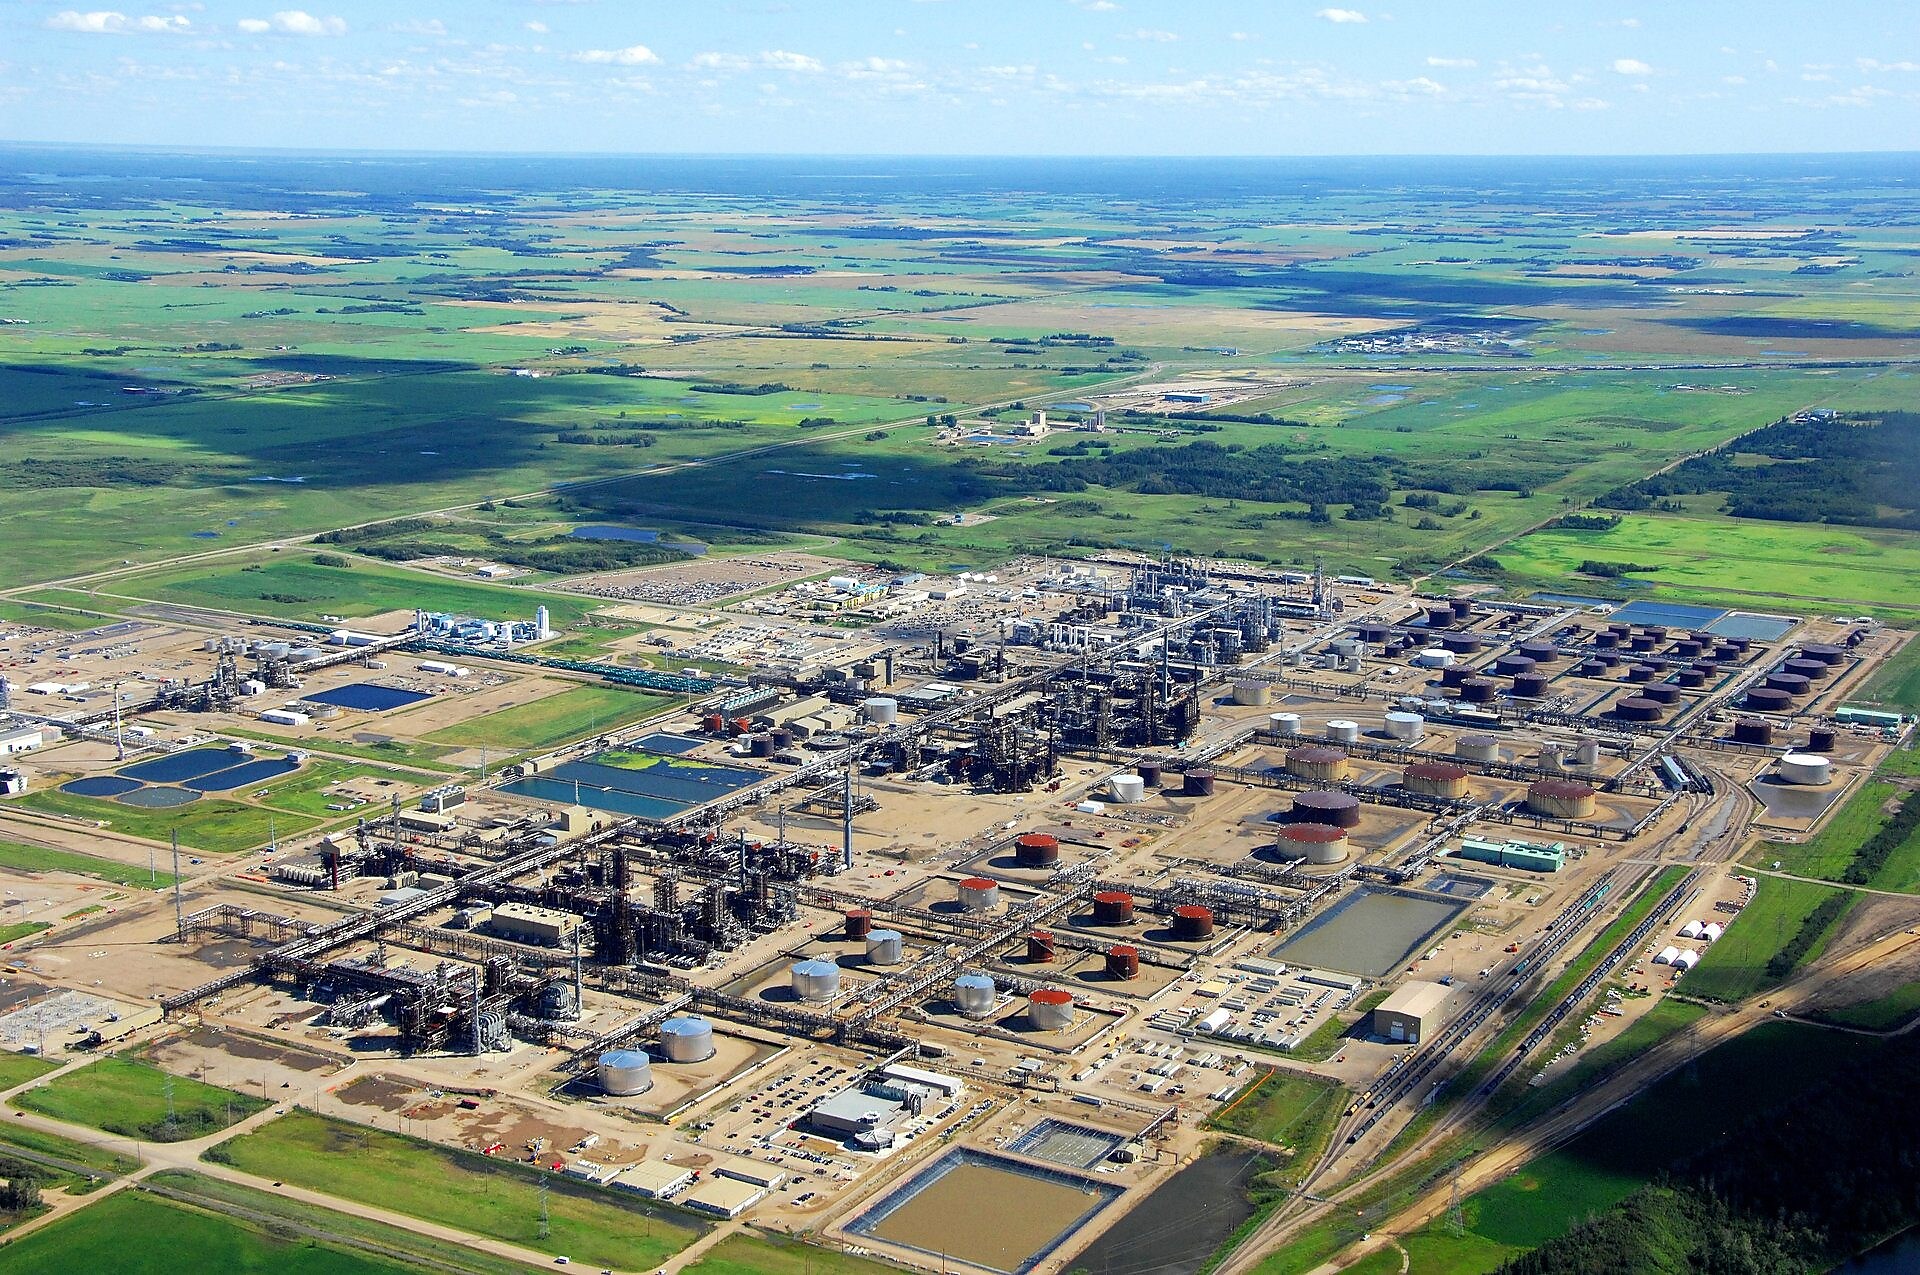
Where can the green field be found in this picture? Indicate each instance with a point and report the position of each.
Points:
(1784, 566)
(1827, 853)
(767, 1253)
(101, 1162)
(1286, 1109)
(138, 1100)
(1736, 967)
(460, 1190)
(10, 934)
(18, 1069)
(131, 1233)
(551, 720)
(1883, 1013)
(1664, 1018)
(1895, 685)
(40, 859)
(215, 825)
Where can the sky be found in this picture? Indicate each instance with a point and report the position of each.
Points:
(1026, 77)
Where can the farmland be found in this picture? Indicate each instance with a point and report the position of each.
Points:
(1737, 965)
(138, 1100)
(554, 719)
(41, 859)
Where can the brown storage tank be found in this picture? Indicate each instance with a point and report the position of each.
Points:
(1440, 617)
(1540, 652)
(1149, 772)
(1606, 641)
(1688, 649)
(1642, 673)
(1112, 907)
(1812, 670)
(1478, 690)
(1341, 809)
(1769, 699)
(1460, 643)
(1751, 730)
(1462, 608)
(1530, 685)
(1454, 674)
(1691, 678)
(760, 746)
(1513, 665)
(1197, 783)
(1560, 799)
(1824, 653)
(1791, 683)
(1318, 763)
(1040, 947)
(1123, 962)
(714, 724)
(859, 922)
(1662, 693)
(1638, 708)
(1191, 923)
(1822, 740)
(1435, 779)
(1036, 850)
(1316, 843)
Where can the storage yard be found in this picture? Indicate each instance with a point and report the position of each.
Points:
(943, 923)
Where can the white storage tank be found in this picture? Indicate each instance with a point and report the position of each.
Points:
(975, 994)
(1050, 1009)
(687, 1039)
(1249, 693)
(1805, 768)
(979, 894)
(1342, 731)
(815, 982)
(884, 947)
(622, 1073)
(1434, 657)
(882, 710)
(1128, 788)
(1284, 724)
(1586, 754)
(1344, 647)
(1480, 748)
(1408, 728)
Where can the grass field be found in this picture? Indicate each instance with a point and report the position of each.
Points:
(1590, 1067)
(132, 1099)
(1786, 566)
(764, 1253)
(1827, 853)
(460, 1190)
(1289, 1110)
(1895, 685)
(10, 934)
(1883, 1013)
(18, 1069)
(103, 1162)
(1736, 966)
(215, 825)
(40, 859)
(131, 1233)
(551, 720)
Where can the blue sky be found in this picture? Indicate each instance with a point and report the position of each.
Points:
(1272, 77)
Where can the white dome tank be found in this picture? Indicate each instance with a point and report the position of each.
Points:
(816, 982)
(1434, 657)
(1805, 768)
(1285, 724)
(622, 1073)
(1408, 728)
(975, 994)
(1342, 731)
(884, 947)
(881, 710)
(1128, 788)
(688, 1039)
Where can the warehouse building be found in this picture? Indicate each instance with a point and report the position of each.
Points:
(1514, 854)
(1410, 1013)
(529, 924)
(655, 1179)
(724, 1197)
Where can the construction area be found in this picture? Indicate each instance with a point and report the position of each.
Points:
(977, 907)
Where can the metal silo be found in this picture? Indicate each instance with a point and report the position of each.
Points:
(688, 1039)
(622, 1073)
(816, 981)
(884, 947)
(979, 894)
(975, 994)
(1050, 1009)
(1342, 731)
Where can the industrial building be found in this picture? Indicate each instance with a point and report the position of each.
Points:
(1410, 1013)
(528, 924)
(21, 739)
(724, 1197)
(1514, 854)
(655, 1179)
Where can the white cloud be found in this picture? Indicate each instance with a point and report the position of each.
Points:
(782, 60)
(538, 28)
(1419, 84)
(1875, 64)
(1151, 35)
(1095, 6)
(1455, 64)
(772, 59)
(1733, 79)
(632, 55)
(1631, 66)
(112, 22)
(1341, 15)
(418, 26)
(293, 22)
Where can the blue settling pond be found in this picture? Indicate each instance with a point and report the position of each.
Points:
(636, 535)
(669, 745)
(100, 786)
(157, 798)
(188, 765)
(253, 772)
(367, 697)
(650, 792)
(1761, 628)
(1672, 615)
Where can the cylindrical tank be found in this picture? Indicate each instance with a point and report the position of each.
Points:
(1822, 740)
(1751, 730)
(1805, 768)
(1050, 1009)
(1812, 670)
(1540, 652)
(1123, 962)
(882, 710)
(1606, 641)
(1036, 849)
(1149, 772)
(1792, 683)
(1460, 643)
(1112, 907)
(1250, 693)
(687, 1039)
(714, 724)
(1040, 947)
(1285, 725)
(760, 745)
(1662, 693)
(1342, 731)
(1824, 653)
(1127, 788)
(1317, 843)
(1462, 608)
(1440, 617)
(1344, 647)
(859, 922)
(1456, 675)
(1586, 754)
(1435, 779)
(979, 894)
(1197, 783)
(1480, 748)
(1530, 685)
(1342, 809)
(1638, 708)
(1434, 657)
(1687, 649)
(975, 994)
(1643, 641)
(1318, 763)
(816, 982)
(1192, 922)
(884, 947)
(1478, 690)
(622, 1073)
(1769, 699)
(1642, 673)
(1691, 678)
(1560, 798)
(1408, 728)
(1373, 634)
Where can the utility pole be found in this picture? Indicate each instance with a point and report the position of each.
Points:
(846, 816)
(119, 740)
(545, 1227)
(179, 915)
